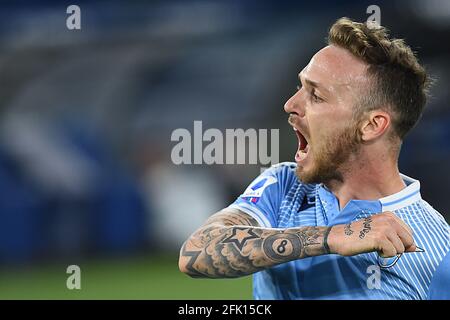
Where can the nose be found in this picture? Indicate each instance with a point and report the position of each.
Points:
(295, 104)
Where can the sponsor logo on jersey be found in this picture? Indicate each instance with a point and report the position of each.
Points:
(254, 192)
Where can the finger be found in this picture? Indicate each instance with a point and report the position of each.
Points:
(387, 249)
(408, 242)
(413, 248)
(396, 242)
(403, 230)
(405, 237)
(402, 223)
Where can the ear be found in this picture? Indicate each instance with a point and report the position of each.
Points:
(375, 125)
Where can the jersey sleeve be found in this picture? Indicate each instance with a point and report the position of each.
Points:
(262, 198)
(440, 283)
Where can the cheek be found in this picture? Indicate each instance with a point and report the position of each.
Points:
(321, 124)
(332, 115)
(325, 132)
(326, 126)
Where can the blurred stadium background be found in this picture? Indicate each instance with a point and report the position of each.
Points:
(86, 118)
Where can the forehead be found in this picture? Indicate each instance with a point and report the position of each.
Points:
(334, 67)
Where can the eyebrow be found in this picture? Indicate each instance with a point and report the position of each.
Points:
(312, 83)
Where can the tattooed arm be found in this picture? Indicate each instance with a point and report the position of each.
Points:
(231, 244)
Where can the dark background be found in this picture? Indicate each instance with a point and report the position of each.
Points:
(86, 118)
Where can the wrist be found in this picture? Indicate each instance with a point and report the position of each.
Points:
(330, 240)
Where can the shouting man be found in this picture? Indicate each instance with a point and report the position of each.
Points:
(341, 222)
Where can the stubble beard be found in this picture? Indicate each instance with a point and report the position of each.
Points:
(331, 159)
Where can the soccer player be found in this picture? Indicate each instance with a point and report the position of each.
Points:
(341, 222)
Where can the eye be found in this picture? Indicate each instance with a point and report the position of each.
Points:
(315, 98)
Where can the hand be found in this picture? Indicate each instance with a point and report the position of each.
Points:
(385, 233)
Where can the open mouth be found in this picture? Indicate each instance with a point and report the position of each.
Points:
(303, 146)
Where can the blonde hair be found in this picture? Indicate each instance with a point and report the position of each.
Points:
(399, 82)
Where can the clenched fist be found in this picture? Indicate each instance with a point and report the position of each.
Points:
(385, 233)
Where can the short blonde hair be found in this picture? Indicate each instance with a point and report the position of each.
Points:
(400, 82)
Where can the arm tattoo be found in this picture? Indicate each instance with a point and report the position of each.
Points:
(348, 229)
(366, 227)
(193, 255)
(224, 249)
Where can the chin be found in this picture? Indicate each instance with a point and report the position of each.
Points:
(305, 176)
(317, 174)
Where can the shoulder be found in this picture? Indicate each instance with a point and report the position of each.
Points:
(283, 174)
(426, 220)
(285, 177)
(435, 216)
(431, 232)
(264, 195)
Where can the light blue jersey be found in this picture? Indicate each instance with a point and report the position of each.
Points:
(277, 199)
(440, 284)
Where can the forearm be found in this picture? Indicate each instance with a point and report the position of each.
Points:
(232, 251)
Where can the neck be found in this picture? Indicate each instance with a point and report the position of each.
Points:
(367, 178)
